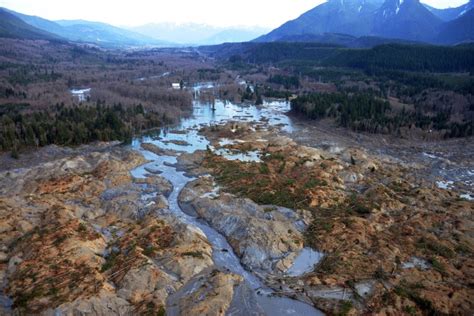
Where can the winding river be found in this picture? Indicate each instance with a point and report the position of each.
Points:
(186, 133)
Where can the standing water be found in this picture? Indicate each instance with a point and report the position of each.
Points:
(185, 138)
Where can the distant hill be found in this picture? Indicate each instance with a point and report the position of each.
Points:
(198, 34)
(401, 20)
(233, 35)
(13, 27)
(343, 39)
(88, 32)
(102, 33)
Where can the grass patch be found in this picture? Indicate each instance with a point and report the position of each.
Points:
(194, 254)
(438, 266)
(411, 292)
(23, 299)
(380, 274)
(60, 240)
(360, 205)
(110, 261)
(264, 169)
(435, 247)
(275, 156)
(410, 310)
(345, 308)
(311, 183)
(82, 228)
(149, 251)
(328, 264)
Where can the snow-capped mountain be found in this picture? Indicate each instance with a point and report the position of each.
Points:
(397, 19)
(335, 16)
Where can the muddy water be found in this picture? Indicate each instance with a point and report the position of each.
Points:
(185, 138)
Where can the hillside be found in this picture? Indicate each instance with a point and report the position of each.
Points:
(334, 16)
(458, 30)
(13, 27)
(104, 34)
(407, 20)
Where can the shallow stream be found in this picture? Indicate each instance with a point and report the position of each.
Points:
(185, 138)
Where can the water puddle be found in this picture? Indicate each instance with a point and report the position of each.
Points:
(247, 156)
(416, 262)
(305, 262)
(446, 185)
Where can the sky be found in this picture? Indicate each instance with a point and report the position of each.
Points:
(265, 13)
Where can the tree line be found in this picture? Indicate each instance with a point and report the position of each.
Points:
(71, 126)
(425, 58)
(368, 113)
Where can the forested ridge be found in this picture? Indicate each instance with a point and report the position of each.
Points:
(127, 94)
(428, 58)
(368, 113)
(407, 57)
(432, 85)
(71, 126)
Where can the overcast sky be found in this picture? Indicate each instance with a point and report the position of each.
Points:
(268, 13)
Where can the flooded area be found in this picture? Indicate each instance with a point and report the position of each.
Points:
(185, 138)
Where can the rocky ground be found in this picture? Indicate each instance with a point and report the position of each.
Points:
(394, 242)
(434, 160)
(79, 235)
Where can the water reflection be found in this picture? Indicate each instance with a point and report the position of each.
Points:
(272, 113)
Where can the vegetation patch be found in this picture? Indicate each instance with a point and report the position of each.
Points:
(411, 292)
(273, 182)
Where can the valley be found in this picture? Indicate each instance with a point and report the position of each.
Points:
(322, 169)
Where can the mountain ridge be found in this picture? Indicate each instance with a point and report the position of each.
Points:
(98, 33)
(13, 27)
